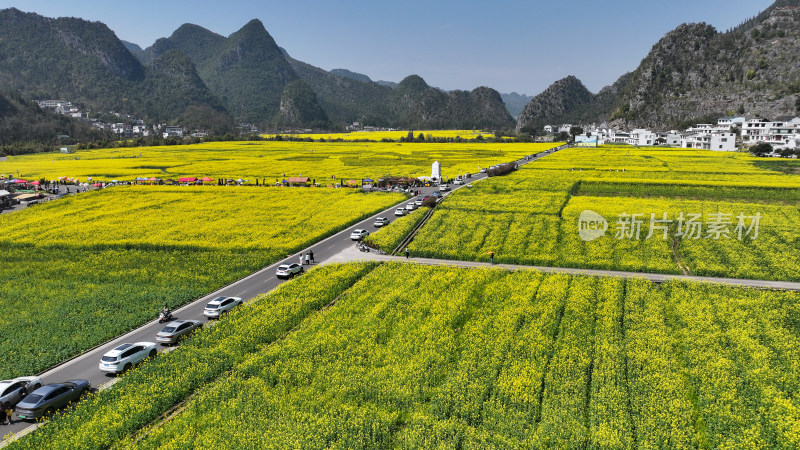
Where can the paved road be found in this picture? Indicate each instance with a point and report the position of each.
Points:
(353, 256)
(85, 366)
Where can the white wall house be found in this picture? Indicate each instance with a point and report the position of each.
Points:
(641, 137)
(172, 131)
(777, 133)
(548, 129)
(728, 122)
(618, 137)
(671, 138)
(711, 139)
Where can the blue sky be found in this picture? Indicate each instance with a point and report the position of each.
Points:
(509, 45)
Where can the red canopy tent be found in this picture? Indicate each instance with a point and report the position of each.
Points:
(187, 180)
(20, 181)
(35, 183)
(206, 179)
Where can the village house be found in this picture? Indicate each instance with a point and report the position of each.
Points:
(641, 137)
(709, 138)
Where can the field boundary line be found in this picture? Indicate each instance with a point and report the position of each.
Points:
(656, 278)
(407, 240)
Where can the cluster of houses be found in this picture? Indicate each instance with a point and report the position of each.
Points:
(358, 126)
(726, 135)
(128, 126)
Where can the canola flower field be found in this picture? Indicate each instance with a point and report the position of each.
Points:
(391, 135)
(409, 356)
(269, 161)
(744, 217)
(90, 267)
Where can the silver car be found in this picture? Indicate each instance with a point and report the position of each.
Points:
(220, 305)
(125, 356)
(11, 390)
(288, 270)
(381, 221)
(359, 234)
(177, 330)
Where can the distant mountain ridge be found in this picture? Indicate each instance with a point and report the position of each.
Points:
(694, 73)
(200, 79)
(97, 70)
(412, 104)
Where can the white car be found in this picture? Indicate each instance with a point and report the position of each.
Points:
(359, 234)
(419, 201)
(288, 270)
(400, 212)
(220, 305)
(10, 390)
(381, 221)
(411, 206)
(444, 188)
(458, 181)
(125, 356)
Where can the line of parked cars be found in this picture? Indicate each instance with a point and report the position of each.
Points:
(32, 400)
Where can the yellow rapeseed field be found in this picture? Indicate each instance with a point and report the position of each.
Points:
(89, 267)
(531, 216)
(393, 135)
(269, 160)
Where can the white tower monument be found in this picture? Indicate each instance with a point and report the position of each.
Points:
(436, 172)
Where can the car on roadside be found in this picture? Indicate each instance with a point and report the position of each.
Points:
(483, 170)
(411, 206)
(288, 270)
(177, 330)
(458, 181)
(220, 305)
(419, 201)
(359, 234)
(400, 212)
(444, 188)
(123, 357)
(11, 390)
(381, 221)
(51, 397)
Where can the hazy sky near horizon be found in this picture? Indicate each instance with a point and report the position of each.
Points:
(509, 45)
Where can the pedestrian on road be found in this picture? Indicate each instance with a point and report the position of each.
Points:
(23, 392)
(301, 259)
(491, 257)
(311, 254)
(407, 252)
(3, 415)
(9, 410)
(308, 259)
